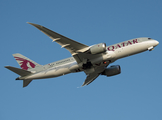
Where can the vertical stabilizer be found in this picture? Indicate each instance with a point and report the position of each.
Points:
(24, 62)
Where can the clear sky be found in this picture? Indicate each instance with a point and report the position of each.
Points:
(135, 94)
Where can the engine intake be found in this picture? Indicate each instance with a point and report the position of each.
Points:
(98, 48)
(111, 71)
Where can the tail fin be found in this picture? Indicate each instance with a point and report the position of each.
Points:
(20, 72)
(24, 62)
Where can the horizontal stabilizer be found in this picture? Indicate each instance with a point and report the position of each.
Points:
(26, 82)
(18, 71)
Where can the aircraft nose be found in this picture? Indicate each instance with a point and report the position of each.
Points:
(156, 42)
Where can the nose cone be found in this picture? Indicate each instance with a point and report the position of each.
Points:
(156, 42)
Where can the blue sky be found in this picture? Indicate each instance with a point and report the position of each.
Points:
(134, 94)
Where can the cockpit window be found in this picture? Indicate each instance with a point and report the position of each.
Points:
(149, 38)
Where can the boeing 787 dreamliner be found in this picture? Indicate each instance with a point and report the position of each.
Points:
(93, 60)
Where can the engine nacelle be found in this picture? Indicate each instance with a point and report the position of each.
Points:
(111, 71)
(99, 48)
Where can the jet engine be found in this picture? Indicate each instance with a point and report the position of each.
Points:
(98, 48)
(111, 71)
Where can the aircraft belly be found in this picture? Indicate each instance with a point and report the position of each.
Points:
(57, 72)
(50, 73)
(74, 67)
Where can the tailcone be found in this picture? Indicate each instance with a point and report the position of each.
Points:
(17, 78)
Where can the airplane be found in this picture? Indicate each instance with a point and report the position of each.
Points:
(93, 60)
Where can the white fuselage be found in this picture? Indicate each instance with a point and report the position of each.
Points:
(113, 53)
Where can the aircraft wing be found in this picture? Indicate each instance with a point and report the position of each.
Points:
(77, 50)
(91, 76)
(72, 46)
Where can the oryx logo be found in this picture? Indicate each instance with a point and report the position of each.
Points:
(25, 64)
